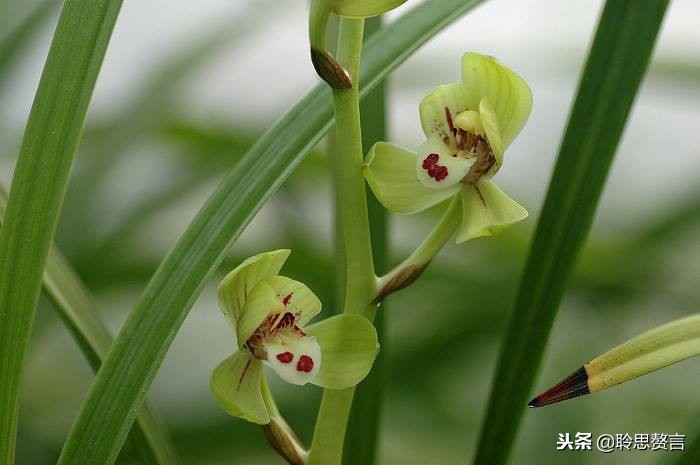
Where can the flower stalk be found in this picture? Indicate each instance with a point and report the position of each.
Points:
(279, 434)
(412, 267)
(329, 433)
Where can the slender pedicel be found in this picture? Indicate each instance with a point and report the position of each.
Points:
(650, 351)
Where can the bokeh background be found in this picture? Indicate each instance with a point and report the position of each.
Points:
(186, 87)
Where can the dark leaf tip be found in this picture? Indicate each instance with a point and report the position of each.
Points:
(574, 385)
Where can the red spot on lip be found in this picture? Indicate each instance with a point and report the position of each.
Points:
(287, 298)
(305, 364)
(285, 357)
(430, 160)
(438, 172)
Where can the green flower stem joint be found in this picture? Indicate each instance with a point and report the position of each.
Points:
(269, 315)
(325, 64)
(468, 126)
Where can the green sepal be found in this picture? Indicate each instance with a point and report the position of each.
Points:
(348, 349)
(391, 174)
(486, 77)
(236, 385)
(487, 210)
(234, 288)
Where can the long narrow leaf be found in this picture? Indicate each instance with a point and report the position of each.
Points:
(616, 63)
(39, 183)
(122, 382)
(362, 436)
(76, 308)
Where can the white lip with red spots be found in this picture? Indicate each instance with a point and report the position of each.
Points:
(439, 165)
(284, 347)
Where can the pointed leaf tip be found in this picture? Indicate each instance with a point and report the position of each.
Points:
(574, 385)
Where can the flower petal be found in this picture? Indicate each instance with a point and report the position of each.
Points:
(294, 357)
(439, 108)
(348, 347)
(493, 133)
(234, 288)
(236, 384)
(363, 8)
(487, 211)
(296, 298)
(437, 168)
(261, 302)
(391, 174)
(485, 77)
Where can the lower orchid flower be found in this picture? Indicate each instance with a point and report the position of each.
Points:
(269, 314)
(468, 126)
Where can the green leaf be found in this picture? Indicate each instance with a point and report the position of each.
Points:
(76, 307)
(362, 433)
(390, 171)
(616, 63)
(348, 348)
(650, 351)
(691, 454)
(39, 184)
(237, 385)
(131, 365)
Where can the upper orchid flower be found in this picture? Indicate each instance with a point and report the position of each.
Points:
(468, 126)
(269, 314)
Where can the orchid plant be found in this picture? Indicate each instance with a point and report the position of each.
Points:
(468, 126)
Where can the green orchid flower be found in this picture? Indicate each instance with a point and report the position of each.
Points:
(468, 126)
(269, 314)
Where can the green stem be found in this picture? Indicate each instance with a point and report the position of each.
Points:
(329, 434)
(412, 267)
(280, 435)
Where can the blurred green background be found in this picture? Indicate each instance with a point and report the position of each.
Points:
(187, 87)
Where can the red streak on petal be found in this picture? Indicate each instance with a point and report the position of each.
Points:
(286, 300)
(286, 321)
(448, 115)
(305, 364)
(285, 357)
